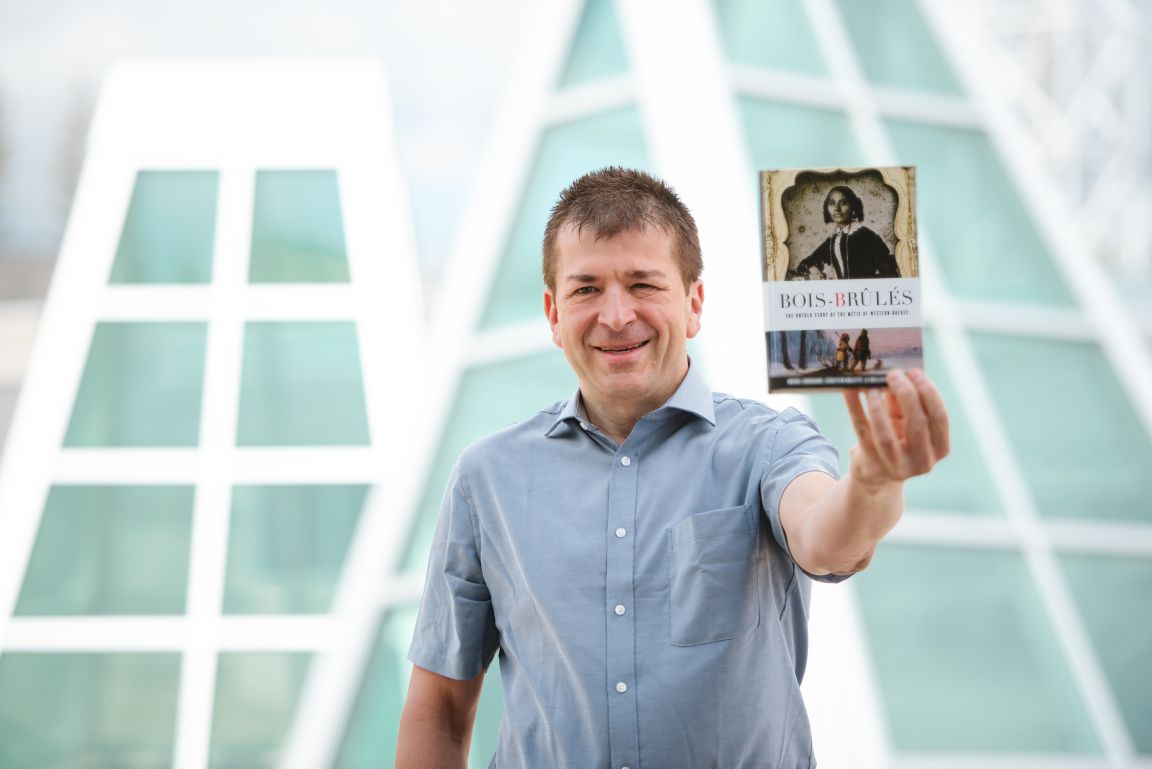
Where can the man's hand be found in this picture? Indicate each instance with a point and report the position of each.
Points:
(902, 434)
(834, 526)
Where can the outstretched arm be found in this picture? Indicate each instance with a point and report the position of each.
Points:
(835, 526)
(436, 725)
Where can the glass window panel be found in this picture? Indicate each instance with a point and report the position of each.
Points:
(170, 231)
(959, 484)
(297, 229)
(1113, 594)
(286, 547)
(965, 656)
(566, 152)
(895, 46)
(381, 697)
(110, 550)
(1083, 449)
(256, 697)
(381, 700)
(87, 710)
(769, 35)
(793, 136)
(985, 241)
(490, 397)
(301, 385)
(141, 386)
(597, 51)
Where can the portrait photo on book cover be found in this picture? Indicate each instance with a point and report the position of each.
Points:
(844, 223)
(843, 357)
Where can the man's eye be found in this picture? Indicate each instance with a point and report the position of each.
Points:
(584, 290)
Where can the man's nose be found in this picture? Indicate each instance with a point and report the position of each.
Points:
(616, 310)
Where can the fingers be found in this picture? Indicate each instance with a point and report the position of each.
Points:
(890, 442)
(859, 418)
(903, 431)
(917, 455)
(935, 411)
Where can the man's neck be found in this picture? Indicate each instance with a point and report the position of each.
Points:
(616, 420)
(617, 423)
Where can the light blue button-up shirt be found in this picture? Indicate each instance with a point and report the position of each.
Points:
(641, 596)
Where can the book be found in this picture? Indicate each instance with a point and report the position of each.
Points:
(841, 276)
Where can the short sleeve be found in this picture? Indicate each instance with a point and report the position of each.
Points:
(797, 447)
(456, 632)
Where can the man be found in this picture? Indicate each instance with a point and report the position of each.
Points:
(639, 554)
(852, 250)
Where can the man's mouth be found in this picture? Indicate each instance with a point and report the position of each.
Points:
(623, 348)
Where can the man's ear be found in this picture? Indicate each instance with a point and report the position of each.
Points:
(695, 301)
(553, 315)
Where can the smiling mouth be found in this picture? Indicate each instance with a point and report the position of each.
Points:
(636, 346)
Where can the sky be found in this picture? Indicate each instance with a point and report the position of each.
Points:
(446, 61)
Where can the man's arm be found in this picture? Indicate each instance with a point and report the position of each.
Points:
(835, 526)
(436, 725)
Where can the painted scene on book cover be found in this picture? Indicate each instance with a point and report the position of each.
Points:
(849, 357)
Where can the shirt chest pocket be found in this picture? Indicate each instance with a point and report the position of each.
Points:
(713, 591)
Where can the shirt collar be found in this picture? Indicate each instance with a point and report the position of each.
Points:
(849, 228)
(693, 396)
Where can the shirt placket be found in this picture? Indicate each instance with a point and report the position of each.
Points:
(623, 720)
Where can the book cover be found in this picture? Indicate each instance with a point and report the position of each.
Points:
(841, 276)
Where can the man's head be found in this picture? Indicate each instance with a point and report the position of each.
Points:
(615, 200)
(620, 300)
(842, 205)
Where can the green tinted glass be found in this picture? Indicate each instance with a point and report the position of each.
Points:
(297, 229)
(110, 550)
(566, 152)
(170, 231)
(286, 547)
(141, 386)
(895, 46)
(791, 136)
(256, 696)
(382, 694)
(301, 385)
(597, 51)
(965, 657)
(490, 397)
(769, 35)
(959, 484)
(381, 698)
(986, 245)
(87, 710)
(1114, 596)
(1078, 461)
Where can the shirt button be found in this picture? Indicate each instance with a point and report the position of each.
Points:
(625, 461)
(584, 425)
(620, 610)
(621, 687)
(621, 532)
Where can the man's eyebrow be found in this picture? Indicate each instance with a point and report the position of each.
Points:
(643, 274)
(583, 277)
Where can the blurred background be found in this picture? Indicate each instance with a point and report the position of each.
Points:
(237, 241)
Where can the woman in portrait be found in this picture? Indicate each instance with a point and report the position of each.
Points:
(852, 250)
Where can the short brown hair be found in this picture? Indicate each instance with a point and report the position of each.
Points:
(615, 200)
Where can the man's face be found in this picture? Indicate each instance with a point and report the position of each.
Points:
(839, 208)
(622, 316)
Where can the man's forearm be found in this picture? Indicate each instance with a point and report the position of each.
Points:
(842, 521)
(854, 517)
(425, 742)
(436, 725)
